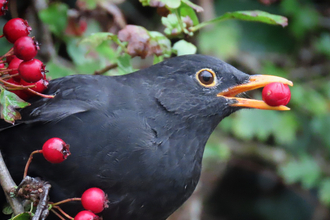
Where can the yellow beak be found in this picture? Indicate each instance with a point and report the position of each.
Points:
(255, 82)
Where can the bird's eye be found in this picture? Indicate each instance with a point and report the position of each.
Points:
(206, 77)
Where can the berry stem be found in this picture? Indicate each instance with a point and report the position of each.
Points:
(14, 85)
(29, 161)
(57, 214)
(5, 70)
(65, 201)
(9, 76)
(40, 94)
(9, 53)
(62, 212)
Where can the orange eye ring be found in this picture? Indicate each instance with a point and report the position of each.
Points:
(206, 77)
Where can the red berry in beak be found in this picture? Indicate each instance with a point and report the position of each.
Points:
(275, 94)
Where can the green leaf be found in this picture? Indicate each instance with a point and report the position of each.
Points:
(305, 170)
(290, 6)
(158, 39)
(308, 99)
(124, 64)
(158, 59)
(270, 68)
(145, 2)
(197, 8)
(259, 16)
(105, 50)
(77, 53)
(57, 70)
(251, 123)
(7, 210)
(185, 10)
(322, 45)
(55, 16)
(286, 128)
(96, 39)
(183, 47)
(22, 216)
(172, 25)
(217, 151)
(226, 43)
(86, 63)
(320, 126)
(8, 102)
(171, 3)
(90, 4)
(304, 19)
(324, 191)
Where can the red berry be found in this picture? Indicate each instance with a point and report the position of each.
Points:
(14, 63)
(23, 94)
(15, 29)
(55, 150)
(86, 215)
(94, 199)
(3, 7)
(275, 94)
(2, 65)
(10, 58)
(31, 71)
(26, 48)
(39, 86)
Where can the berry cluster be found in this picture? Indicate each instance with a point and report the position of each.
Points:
(20, 72)
(94, 200)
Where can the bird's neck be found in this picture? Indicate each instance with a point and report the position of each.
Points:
(184, 144)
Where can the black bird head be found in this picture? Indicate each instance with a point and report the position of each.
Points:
(203, 86)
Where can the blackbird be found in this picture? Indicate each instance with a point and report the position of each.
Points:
(139, 137)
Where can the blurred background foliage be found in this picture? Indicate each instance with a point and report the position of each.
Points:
(258, 164)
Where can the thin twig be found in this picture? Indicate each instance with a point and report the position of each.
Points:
(113, 9)
(105, 69)
(8, 185)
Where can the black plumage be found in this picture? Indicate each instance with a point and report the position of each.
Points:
(140, 137)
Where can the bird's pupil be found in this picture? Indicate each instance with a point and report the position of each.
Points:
(206, 77)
